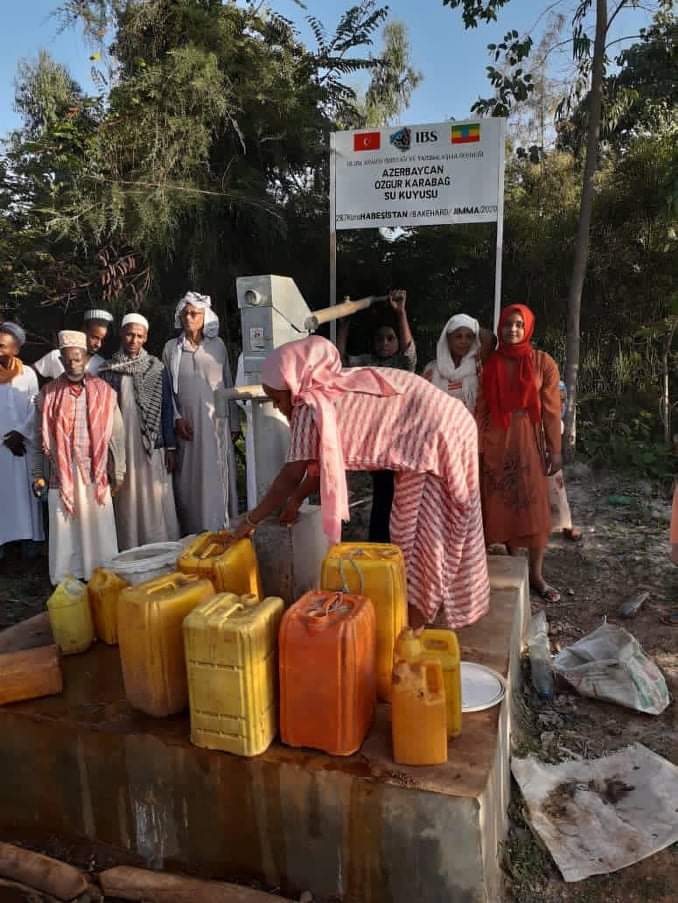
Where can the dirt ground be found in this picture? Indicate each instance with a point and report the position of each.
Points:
(624, 549)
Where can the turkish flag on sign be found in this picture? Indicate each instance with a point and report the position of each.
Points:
(367, 141)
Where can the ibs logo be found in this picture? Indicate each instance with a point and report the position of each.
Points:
(402, 139)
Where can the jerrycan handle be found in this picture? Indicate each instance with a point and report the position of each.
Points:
(345, 588)
(440, 639)
(433, 674)
(247, 602)
(172, 581)
(317, 619)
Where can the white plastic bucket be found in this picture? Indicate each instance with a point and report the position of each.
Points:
(146, 562)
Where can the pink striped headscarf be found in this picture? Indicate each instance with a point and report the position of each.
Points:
(311, 370)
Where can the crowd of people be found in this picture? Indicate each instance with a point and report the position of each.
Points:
(129, 451)
(126, 451)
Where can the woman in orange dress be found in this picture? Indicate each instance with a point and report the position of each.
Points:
(518, 416)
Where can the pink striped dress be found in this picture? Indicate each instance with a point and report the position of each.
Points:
(430, 441)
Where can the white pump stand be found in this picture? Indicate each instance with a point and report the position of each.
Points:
(273, 312)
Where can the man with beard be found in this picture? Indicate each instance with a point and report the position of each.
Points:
(144, 505)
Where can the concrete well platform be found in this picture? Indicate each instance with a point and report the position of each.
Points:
(83, 773)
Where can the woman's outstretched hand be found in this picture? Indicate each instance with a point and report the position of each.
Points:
(243, 528)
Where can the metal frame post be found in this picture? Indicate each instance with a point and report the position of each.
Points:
(500, 226)
(333, 233)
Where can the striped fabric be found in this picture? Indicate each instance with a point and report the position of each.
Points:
(430, 441)
(62, 433)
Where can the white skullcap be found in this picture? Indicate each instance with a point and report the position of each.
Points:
(135, 318)
(71, 338)
(98, 314)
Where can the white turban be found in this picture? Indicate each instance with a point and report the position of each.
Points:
(137, 319)
(71, 338)
(202, 302)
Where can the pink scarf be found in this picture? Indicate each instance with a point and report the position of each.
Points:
(311, 370)
(58, 414)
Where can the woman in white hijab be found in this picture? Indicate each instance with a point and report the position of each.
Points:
(197, 362)
(456, 368)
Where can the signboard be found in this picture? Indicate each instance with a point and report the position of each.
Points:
(419, 175)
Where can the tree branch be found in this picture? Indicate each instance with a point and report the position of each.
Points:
(614, 15)
(627, 37)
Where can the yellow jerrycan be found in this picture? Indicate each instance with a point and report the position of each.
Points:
(70, 616)
(418, 712)
(104, 588)
(230, 564)
(150, 616)
(231, 646)
(375, 570)
(442, 645)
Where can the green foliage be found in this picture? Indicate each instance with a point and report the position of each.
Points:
(474, 11)
(623, 441)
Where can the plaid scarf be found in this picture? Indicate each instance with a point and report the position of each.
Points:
(58, 414)
(146, 372)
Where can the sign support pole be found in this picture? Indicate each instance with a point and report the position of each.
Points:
(333, 233)
(500, 227)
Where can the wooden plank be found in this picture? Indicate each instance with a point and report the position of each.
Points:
(27, 634)
(29, 674)
(129, 883)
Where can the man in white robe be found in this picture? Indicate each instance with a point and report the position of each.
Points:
(144, 504)
(81, 433)
(96, 324)
(197, 362)
(20, 515)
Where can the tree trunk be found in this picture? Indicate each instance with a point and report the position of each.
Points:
(666, 393)
(581, 248)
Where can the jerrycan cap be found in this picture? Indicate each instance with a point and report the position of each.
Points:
(249, 600)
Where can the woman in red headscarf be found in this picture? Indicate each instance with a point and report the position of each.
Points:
(518, 417)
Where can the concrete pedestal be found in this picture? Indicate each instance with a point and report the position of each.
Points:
(290, 557)
(84, 773)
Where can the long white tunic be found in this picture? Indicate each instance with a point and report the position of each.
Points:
(205, 479)
(144, 504)
(20, 516)
(88, 539)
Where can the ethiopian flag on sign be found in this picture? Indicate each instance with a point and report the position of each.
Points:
(465, 134)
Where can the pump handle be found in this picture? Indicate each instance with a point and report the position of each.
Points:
(337, 311)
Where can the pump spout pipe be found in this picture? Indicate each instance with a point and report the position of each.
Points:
(242, 393)
(337, 311)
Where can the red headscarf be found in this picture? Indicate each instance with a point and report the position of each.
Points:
(505, 394)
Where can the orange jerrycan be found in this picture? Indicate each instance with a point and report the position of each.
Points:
(442, 645)
(150, 616)
(231, 565)
(418, 711)
(231, 645)
(104, 588)
(327, 672)
(70, 617)
(375, 570)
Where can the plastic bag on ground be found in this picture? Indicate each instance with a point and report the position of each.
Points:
(609, 664)
(600, 815)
